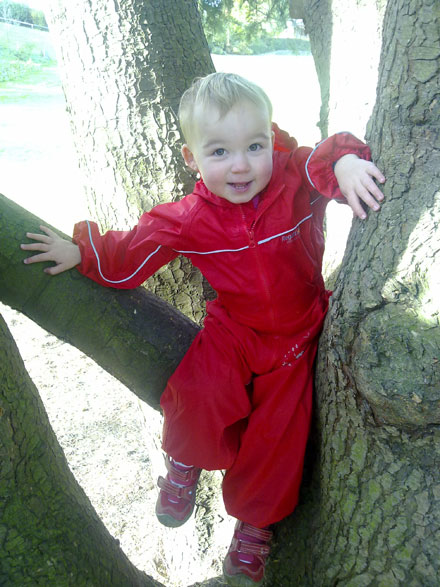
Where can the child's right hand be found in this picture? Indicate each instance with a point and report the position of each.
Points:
(64, 253)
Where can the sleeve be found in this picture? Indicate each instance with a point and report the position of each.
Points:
(320, 162)
(125, 259)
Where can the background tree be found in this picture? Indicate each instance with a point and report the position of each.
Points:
(345, 40)
(124, 67)
(15, 11)
(241, 26)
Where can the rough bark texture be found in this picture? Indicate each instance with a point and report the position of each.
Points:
(134, 335)
(49, 531)
(124, 66)
(372, 508)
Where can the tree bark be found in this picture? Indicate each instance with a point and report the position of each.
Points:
(124, 67)
(371, 512)
(49, 531)
(133, 335)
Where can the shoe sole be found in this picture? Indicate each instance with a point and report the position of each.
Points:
(170, 522)
(241, 580)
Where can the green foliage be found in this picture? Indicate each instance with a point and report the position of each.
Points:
(22, 12)
(22, 53)
(38, 18)
(245, 27)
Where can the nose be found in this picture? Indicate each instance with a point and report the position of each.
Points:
(240, 163)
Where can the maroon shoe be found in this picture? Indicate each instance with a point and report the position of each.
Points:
(246, 559)
(177, 494)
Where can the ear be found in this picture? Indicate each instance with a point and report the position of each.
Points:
(188, 156)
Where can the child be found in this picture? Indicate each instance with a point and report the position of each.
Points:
(241, 398)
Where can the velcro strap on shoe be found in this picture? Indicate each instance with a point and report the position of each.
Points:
(186, 477)
(250, 547)
(168, 487)
(258, 533)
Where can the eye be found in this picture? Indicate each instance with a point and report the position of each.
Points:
(255, 147)
(219, 152)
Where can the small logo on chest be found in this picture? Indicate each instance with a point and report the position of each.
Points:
(288, 238)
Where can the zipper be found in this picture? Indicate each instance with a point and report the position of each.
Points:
(251, 235)
(264, 285)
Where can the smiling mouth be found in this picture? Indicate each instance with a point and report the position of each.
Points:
(240, 186)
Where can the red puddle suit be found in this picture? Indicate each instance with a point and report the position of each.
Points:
(241, 398)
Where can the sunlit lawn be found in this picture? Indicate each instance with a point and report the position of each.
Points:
(38, 83)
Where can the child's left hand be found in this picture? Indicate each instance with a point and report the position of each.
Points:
(355, 179)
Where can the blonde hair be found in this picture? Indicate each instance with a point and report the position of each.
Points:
(223, 90)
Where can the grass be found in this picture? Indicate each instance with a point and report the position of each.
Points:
(30, 84)
(27, 63)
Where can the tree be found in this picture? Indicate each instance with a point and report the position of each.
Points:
(49, 531)
(347, 77)
(371, 513)
(15, 11)
(124, 68)
(132, 334)
(139, 60)
(240, 26)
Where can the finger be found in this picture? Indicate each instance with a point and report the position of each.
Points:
(355, 205)
(34, 247)
(359, 212)
(48, 231)
(373, 189)
(54, 270)
(376, 173)
(37, 258)
(38, 237)
(368, 199)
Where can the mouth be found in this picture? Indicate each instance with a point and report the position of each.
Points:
(240, 186)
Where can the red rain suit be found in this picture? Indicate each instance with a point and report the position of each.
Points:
(241, 398)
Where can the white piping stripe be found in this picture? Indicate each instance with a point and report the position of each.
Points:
(316, 147)
(261, 242)
(212, 252)
(99, 262)
(265, 240)
(308, 161)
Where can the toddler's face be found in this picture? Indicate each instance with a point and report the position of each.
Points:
(233, 153)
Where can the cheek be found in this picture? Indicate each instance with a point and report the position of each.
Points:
(214, 174)
(267, 168)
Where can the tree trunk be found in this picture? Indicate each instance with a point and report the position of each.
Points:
(124, 67)
(49, 531)
(132, 334)
(371, 513)
(345, 38)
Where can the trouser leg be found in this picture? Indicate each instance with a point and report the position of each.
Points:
(262, 486)
(206, 401)
(213, 421)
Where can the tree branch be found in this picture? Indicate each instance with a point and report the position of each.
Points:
(132, 334)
